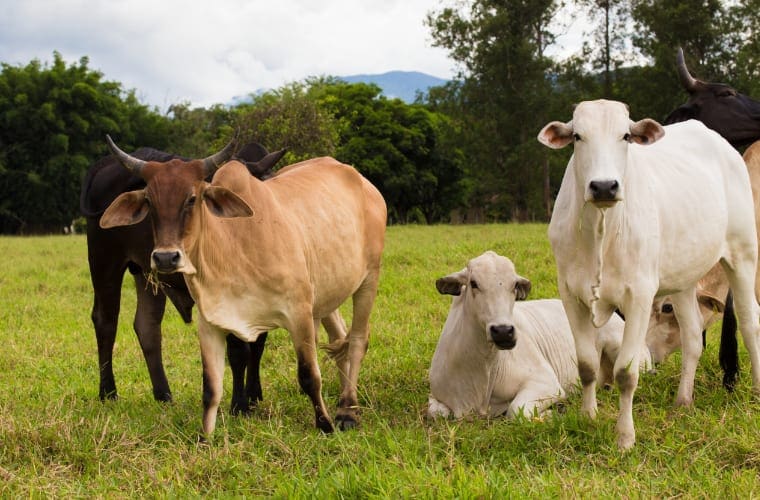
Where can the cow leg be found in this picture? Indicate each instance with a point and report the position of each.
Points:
(626, 368)
(107, 277)
(212, 341)
(147, 325)
(747, 309)
(304, 339)
(687, 314)
(253, 379)
(238, 352)
(245, 359)
(535, 398)
(105, 317)
(358, 342)
(728, 354)
(584, 335)
(336, 331)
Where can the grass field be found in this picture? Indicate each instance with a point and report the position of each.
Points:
(57, 439)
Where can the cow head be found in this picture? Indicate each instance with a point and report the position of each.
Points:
(490, 286)
(174, 194)
(664, 333)
(720, 107)
(601, 132)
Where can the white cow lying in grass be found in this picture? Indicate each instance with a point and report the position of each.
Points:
(496, 356)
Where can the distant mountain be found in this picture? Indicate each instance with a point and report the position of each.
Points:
(401, 84)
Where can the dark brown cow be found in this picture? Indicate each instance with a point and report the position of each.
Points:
(112, 251)
(722, 108)
(285, 252)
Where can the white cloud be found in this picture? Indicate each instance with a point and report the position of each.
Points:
(208, 52)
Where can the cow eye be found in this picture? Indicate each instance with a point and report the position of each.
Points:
(190, 201)
(577, 137)
(473, 284)
(627, 137)
(726, 93)
(667, 308)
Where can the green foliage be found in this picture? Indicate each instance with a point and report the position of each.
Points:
(503, 100)
(289, 118)
(399, 147)
(58, 440)
(468, 145)
(53, 120)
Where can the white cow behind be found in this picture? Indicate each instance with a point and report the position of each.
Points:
(497, 356)
(645, 211)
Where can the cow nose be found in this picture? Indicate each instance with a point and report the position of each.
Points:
(166, 262)
(503, 336)
(604, 190)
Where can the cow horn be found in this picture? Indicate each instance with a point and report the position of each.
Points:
(211, 163)
(133, 164)
(688, 81)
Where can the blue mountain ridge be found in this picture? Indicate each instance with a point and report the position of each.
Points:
(401, 84)
(394, 84)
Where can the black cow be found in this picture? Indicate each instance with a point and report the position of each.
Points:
(112, 251)
(722, 108)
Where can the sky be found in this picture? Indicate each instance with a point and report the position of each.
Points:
(204, 53)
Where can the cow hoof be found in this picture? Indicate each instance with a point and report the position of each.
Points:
(324, 425)
(108, 396)
(346, 422)
(625, 442)
(163, 397)
(244, 411)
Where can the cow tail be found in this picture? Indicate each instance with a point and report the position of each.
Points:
(728, 354)
(337, 350)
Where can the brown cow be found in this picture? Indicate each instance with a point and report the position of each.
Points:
(318, 231)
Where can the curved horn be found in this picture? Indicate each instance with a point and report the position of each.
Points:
(211, 163)
(133, 164)
(688, 81)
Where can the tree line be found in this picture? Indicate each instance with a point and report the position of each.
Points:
(468, 146)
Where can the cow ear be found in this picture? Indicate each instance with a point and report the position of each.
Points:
(522, 288)
(452, 284)
(711, 302)
(127, 209)
(224, 203)
(645, 132)
(556, 135)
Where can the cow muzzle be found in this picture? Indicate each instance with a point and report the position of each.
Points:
(503, 336)
(166, 261)
(604, 193)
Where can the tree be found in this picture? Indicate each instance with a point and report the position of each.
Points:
(607, 52)
(53, 120)
(399, 147)
(660, 28)
(742, 28)
(198, 132)
(503, 99)
(289, 118)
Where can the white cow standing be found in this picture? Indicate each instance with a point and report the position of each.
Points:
(645, 211)
(497, 356)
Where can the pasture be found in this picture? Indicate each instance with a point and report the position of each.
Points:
(57, 438)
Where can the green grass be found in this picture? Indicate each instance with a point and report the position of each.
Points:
(57, 438)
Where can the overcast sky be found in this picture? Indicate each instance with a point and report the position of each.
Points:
(207, 52)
